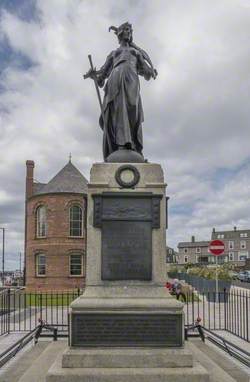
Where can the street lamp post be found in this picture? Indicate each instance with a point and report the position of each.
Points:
(3, 229)
(20, 262)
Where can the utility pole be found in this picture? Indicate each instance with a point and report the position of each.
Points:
(20, 267)
(20, 262)
(3, 249)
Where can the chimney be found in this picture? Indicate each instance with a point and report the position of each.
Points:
(29, 178)
(235, 228)
(192, 239)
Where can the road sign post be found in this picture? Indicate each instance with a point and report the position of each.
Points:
(217, 248)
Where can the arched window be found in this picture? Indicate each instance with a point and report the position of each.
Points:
(75, 221)
(41, 222)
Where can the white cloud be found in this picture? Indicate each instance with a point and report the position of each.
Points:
(196, 112)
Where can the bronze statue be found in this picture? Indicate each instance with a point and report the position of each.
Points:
(122, 114)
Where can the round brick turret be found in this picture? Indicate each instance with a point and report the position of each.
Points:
(54, 245)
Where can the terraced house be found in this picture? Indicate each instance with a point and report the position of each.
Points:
(237, 244)
(194, 252)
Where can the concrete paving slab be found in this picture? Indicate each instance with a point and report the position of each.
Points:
(15, 368)
(40, 366)
(233, 368)
(9, 339)
(216, 373)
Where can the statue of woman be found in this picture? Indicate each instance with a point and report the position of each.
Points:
(122, 113)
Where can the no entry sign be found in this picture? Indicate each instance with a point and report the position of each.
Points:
(216, 247)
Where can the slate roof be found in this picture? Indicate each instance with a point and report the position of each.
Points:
(69, 180)
(190, 244)
(173, 251)
(37, 187)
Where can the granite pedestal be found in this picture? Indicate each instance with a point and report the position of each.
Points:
(126, 325)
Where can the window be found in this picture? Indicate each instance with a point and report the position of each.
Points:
(243, 255)
(220, 236)
(170, 251)
(243, 234)
(41, 222)
(76, 221)
(40, 264)
(198, 250)
(203, 259)
(185, 250)
(231, 244)
(185, 259)
(231, 256)
(76, 265)
(243, 244)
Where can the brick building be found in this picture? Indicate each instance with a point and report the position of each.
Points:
(55, 230)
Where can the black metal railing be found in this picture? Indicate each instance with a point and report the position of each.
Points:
(21, 311)
(232, 349)
(228, 310)
(11, 351)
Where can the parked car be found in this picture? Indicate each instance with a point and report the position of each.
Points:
(244, 276)
(233, 275)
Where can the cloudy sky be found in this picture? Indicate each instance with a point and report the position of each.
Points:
(197, 112)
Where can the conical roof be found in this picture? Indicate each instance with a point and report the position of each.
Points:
(69, 180)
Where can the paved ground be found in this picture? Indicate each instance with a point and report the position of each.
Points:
(240, 284)
(32, 364)
(234, 339)
(9, 339)
(237, 341)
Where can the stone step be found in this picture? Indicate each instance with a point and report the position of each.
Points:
(126, 358)
(222, 368)
(17, 366)
(217, 374)
(40, 366)
(188, 374)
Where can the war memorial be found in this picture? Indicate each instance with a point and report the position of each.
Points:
(125, 326)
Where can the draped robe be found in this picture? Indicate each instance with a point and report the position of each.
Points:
(122, 106)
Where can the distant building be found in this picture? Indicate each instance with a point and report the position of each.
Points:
(195, 252)
(55, 230)
(237, 244)
(171, 255)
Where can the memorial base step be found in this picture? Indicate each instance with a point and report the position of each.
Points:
(187, 374)
(126, 358)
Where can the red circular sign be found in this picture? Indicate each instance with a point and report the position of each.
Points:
(216, 247)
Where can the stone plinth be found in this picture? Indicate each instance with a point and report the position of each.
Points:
(126, 326)
(126, 249)
(103, 180)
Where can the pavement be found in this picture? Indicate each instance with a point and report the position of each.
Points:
(33, 363)
(9, 339)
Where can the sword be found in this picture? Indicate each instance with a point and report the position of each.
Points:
(87, 75)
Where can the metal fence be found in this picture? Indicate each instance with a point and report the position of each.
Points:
(229, 311)
(21, 311)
